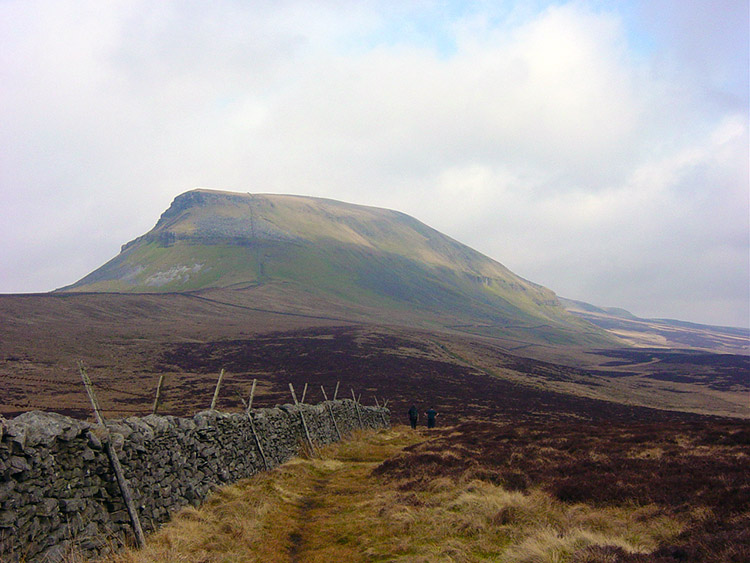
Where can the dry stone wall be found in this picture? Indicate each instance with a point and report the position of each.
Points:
(58, 491)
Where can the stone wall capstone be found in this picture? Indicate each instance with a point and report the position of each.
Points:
(58, 492)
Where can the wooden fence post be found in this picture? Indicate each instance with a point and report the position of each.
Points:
(257, 441)
(252, 427)
(135, 522)
(252, 394)
(302, 417)
(157, 399)
(330, 410)
(356, 406)
(382, 414)
(216, 391)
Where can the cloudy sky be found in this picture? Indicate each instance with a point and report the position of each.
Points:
(599, 148)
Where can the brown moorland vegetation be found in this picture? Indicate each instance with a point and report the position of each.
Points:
(461, 378)
(695, 471)
(129, 341)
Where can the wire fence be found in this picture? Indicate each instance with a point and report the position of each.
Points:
(147, 404)
(72, 387)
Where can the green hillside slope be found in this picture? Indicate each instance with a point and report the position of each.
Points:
(359, 256)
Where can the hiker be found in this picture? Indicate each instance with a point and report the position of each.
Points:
(431, 414)
(413, 416)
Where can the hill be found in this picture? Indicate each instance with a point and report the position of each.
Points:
(663, 333)
(315, 255)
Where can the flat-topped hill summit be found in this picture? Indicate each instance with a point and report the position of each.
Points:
(364, 260)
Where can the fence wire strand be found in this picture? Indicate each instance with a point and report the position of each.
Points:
(75, 384)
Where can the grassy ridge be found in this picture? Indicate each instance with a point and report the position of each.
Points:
(391, 496)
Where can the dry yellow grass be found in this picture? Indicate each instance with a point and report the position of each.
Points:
(330, 508)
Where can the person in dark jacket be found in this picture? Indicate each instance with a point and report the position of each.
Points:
(413, 416)
(431, 414)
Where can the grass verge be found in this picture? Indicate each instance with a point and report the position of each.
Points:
(332, 507)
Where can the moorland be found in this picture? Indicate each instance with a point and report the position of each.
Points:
(128, 341)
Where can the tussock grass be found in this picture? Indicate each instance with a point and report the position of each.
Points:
(331, 507)
(482, 521)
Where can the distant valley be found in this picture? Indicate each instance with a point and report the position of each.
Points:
(662, 333)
